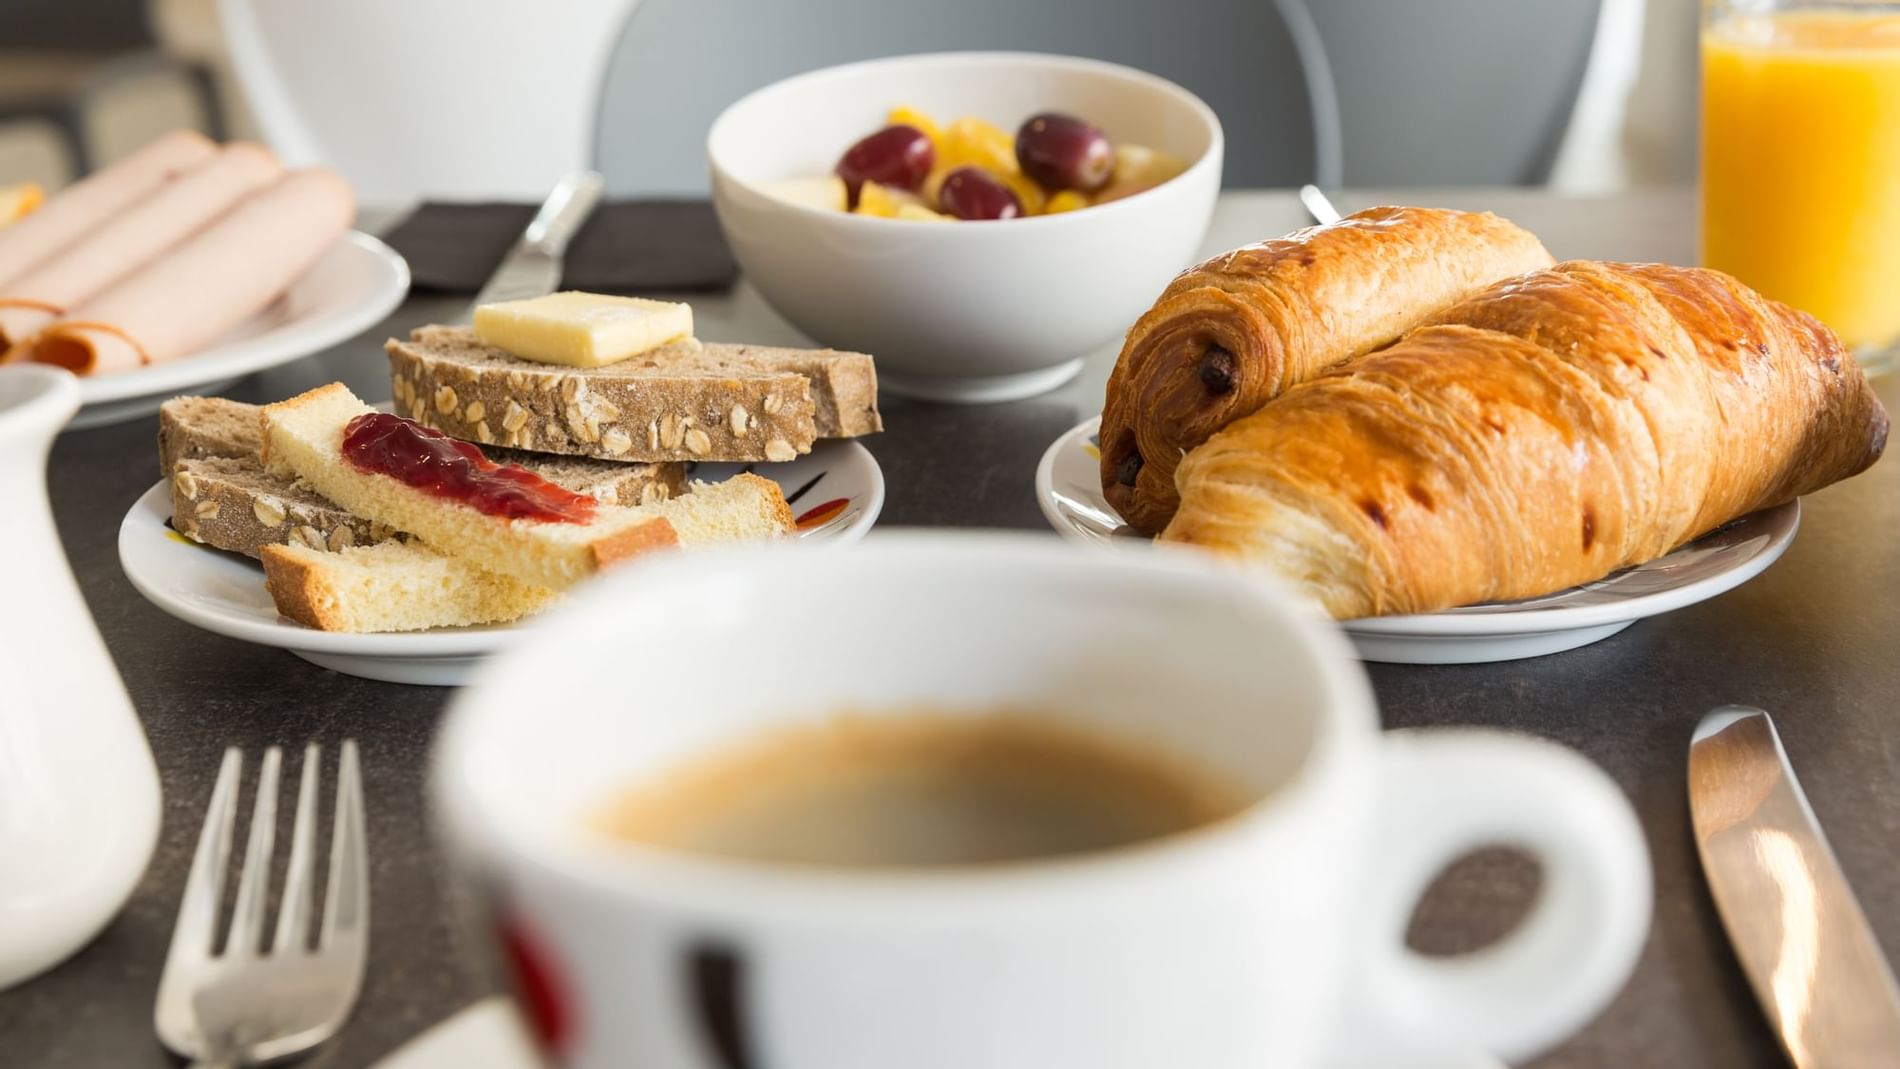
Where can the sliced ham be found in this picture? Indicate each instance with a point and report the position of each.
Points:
(85, 205)
(214, 280)
(132, 238)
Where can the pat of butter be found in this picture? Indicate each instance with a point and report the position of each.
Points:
(582, 329)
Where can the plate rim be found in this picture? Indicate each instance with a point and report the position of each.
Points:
(222, 362)
(1454, 625)
(153, 508)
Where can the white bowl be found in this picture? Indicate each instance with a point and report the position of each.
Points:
(968, 311)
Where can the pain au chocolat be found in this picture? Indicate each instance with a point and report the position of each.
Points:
(1550, 431)
(1235, 332)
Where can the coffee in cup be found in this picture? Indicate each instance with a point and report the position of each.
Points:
(923, 788)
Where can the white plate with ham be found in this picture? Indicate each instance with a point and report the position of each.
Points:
(185, 265)
(1069, 490)
(351, 287)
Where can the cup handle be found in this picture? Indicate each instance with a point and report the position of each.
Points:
(1446, 792)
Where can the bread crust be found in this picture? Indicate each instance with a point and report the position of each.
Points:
(298, 590)
(656, 533)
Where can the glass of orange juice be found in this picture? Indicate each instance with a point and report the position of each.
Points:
(1801, 159)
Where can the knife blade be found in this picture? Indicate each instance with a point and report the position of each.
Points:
(533, 266)
(1796, 927)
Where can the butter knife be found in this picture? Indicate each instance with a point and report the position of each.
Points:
(533, 267)
(1318, 205)
(1801, 936)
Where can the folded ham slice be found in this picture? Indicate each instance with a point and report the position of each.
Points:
(214, 280)
(132, 238)
(88, 203)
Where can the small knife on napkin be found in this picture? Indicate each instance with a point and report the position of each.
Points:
(1800, 934)
(533, 267)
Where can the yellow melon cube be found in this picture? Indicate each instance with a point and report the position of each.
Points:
(970, 141)
(883, 201)
(905, 115)
(1066, 200)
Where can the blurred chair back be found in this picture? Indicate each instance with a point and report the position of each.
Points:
(1455, 92)
(437, 98)
(682, 61)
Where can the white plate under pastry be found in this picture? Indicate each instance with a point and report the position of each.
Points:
(836, 491)
(350, 288)
(1069, 489)
(490, 1035)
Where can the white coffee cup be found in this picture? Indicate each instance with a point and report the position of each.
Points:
(1274, 938)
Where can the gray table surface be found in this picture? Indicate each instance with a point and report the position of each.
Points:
(1812, 640)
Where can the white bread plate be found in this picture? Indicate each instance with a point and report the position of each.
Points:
(351, 287)
(1069, 490)
(836, 491)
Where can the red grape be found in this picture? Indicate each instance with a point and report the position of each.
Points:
(898, 156)
(970, 193)
(1064, 152)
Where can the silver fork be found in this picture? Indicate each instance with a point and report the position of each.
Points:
(241, 1005)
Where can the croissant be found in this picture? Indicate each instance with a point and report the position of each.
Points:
(1550, 431)
(1229, 335)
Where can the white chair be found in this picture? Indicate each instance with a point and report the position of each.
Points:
(449, 99)
(1456, 92)
(1259, 64)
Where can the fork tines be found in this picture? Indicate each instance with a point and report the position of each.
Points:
(196, 968)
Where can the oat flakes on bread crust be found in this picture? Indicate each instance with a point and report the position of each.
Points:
(194, 428)
(233, 504)
(689, 400)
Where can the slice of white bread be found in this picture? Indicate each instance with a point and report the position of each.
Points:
(395, 587)
(742, 508)
(391, 586)
(304, 435)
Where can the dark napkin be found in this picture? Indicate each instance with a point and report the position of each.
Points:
(629, 246)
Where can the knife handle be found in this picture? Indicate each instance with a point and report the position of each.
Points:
(568, 205)
(1444, 793)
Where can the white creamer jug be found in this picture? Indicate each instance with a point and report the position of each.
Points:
(79, 800)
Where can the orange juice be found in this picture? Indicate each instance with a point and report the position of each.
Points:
(1801, 162)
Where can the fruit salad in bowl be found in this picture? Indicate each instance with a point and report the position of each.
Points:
(980, 222)
(973, 170)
